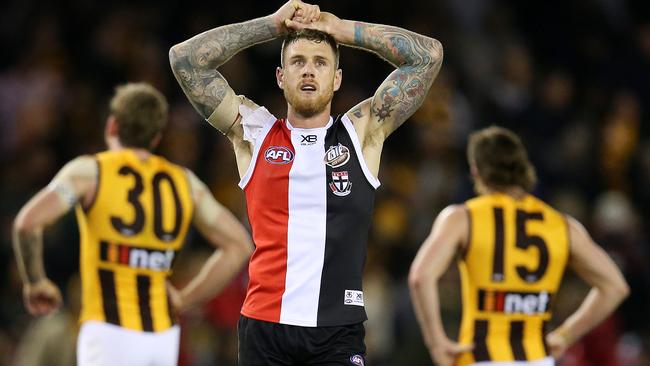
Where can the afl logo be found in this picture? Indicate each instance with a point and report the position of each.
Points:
(337, 156)
(357, 360)
(278, 155)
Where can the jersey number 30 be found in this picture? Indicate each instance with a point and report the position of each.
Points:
(133, 196)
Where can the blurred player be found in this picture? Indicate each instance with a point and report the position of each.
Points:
(134, 209)
(309, 178)
(512, 251)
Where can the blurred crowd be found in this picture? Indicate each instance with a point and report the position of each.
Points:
(571, 77)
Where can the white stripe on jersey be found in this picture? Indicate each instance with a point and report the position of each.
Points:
(306, 228)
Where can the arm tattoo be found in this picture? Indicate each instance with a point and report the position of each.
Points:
(29, 254)
(194, 62)
(417, 58)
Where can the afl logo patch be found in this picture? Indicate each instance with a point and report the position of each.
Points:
(278, 155)
(357, 360)
(337, 156)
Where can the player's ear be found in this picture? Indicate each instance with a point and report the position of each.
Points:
(112, 127)
(279, 76)
(338, 78)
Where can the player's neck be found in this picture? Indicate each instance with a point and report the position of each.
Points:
(114, 144)
(317, 120)
(514, 192)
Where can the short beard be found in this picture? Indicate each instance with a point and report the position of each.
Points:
(308, 108)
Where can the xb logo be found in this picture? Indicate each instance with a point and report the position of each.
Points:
(308, 139)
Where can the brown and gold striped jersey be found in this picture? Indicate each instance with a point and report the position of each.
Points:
(510, 272)
(130, 235)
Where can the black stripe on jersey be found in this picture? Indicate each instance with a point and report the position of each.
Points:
(346, 234)
(545, 327)
(481, 300)
(109, 300)
(103, 250)
(517, 340)
(481, 352)
(144, 300)
(499, 237)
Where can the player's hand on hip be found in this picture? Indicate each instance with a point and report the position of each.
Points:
(326, 22)
(558, 342)
(446, 352)
(175, 298)
(296, 9)
(42, 297)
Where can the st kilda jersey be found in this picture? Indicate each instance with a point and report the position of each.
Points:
(129, 237)
(512, 268)
(310, 198)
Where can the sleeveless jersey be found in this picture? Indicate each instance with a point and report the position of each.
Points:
(310, 198)
(510, 273)
(130, 236)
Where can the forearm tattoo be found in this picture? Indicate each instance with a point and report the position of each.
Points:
(194, 62)
(418, 59)
(29, 254)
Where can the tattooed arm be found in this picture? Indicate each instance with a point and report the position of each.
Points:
(195, 62)
(417, 60)
(76, 181)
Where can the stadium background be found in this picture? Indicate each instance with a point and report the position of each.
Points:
(572, 77)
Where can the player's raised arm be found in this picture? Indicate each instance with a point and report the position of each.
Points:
(195, 62)
(417, 59)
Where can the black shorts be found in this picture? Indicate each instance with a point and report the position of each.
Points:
(264, 343)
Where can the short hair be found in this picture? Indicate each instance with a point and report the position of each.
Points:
(500, 159)
(141, 113)
(310, 35)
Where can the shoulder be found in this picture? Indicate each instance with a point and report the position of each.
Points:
(84, 166)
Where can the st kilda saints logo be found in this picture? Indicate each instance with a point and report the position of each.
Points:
(340, 184)
(278, 155)
(337, 156)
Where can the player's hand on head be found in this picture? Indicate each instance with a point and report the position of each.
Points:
(298, 10)
(326, 22)
(42, 297)
(446, 352)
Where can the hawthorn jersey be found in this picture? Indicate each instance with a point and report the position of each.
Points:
(310, 198)
(129, 238)
(510, 273)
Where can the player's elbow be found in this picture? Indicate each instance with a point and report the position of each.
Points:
(417, 278)
(622, 289)
(244, 249)
(436, 51)
(24, 223)
(173, 56)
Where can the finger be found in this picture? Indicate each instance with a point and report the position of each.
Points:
(462, 348)
(293, 25)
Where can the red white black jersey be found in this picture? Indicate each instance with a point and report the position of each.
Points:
(310, 197)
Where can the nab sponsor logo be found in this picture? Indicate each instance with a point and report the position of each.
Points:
(337, 156)
(278, 155)
(308, 139)
(529, 303)
(526, 303)
(357, 360)
(134, 257)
